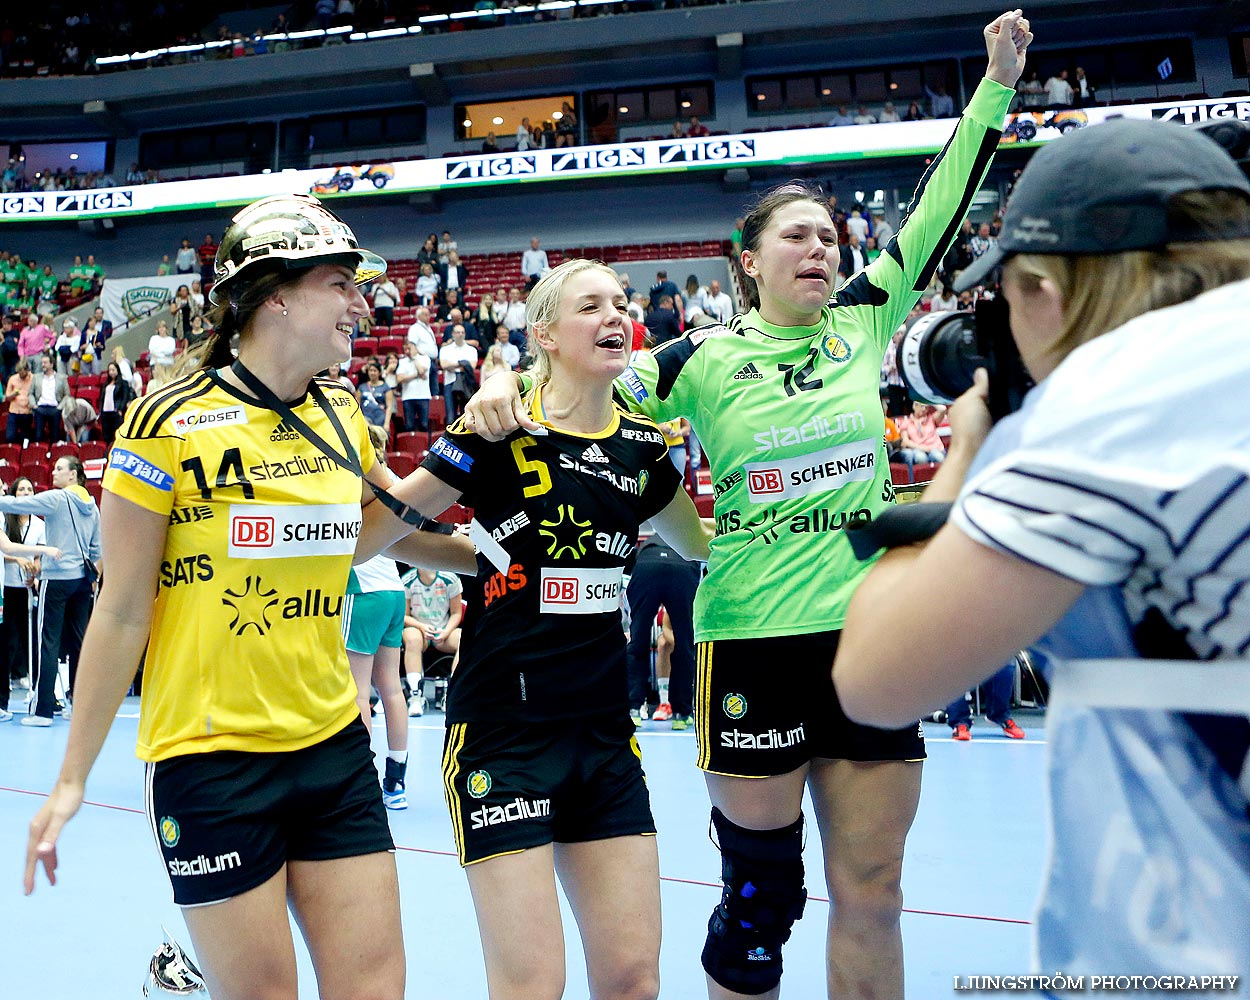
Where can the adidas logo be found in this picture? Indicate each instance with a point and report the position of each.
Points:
(593, 454)
(284, 432)
(748, 373)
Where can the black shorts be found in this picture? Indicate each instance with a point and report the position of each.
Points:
(512, 786)
(767, 706)
(227, 821)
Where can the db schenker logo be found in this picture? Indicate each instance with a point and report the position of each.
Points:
(479, 784)
(170, 833)
(735, 706)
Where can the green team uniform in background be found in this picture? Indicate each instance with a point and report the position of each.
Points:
(790, 417)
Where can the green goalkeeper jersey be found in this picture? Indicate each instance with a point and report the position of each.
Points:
(790, 417)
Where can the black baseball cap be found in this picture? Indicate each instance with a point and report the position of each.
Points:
(1105, 189)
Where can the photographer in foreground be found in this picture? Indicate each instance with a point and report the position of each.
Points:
(1110, 516)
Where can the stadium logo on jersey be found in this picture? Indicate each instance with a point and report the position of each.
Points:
(204, 865)
(836, 349)
(141, 469)
(580, 591)
(202, 420)
(170, 831)
(735, 706)
(749, 373)
(510, 527)
(444, 449)
(517, 809)
(284, 432)
(816, 429)
(264, 532)
(568, 535)
(594, 454)
(651, 437)
(819, 472)
(634, 384)
(252, 607)
(626, 484)
(773, 739)
(478, 784)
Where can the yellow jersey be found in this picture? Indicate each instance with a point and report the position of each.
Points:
(245, 651)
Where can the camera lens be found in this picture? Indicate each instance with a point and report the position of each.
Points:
(939, 355)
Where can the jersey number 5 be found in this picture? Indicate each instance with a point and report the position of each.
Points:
(526, 466)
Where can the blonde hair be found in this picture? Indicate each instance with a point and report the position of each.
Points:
(1103, 292)
(377, 438)
(543, 307)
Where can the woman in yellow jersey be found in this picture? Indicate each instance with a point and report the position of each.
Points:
(231, 509)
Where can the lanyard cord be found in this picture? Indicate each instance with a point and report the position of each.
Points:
(347, 459)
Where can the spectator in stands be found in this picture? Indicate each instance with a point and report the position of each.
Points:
(450, 304)
(982, 242)
(483, 317)
(186, 259)
(914, 114)
(47, 285)
(453, 275)
(490, 144)
(693, 298)
(422, 334)
(1032, 93)
(510, 353)
(1058, 90)
(19, 426)
(494, 363)
(941, 104)
(427, 285)
(164, 267)
(79, 415)
(842, 116)
(865, 117)
(433, 618)
(66, 346)
(117, 395)
(524, 136)
(198, 332)
(161, 350)
(717, 304)
(696, 130)
(458, 360)
(1083, 95)
(946, 300)
(997, 707)
(852, 258)
(377, 400)
(881, 229)
(390, 374)
(20, 575)
(661, 288)
(9, 355)
(627, 288)
(514, 318)
(428, 254)
(413, 376)
(920, 439)
(34, 340)
(678, 132)
(533, 264)
(888, 114)
(566, 131)
(445, 246)
(663, 322)
(207, 253)
(48, 393)
(893, 437)
(105, 325)
(959, 256)
(94, 276)
(385, 297)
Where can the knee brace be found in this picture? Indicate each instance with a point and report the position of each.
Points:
(763, 896)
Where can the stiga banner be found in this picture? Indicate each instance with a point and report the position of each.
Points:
(127, 299)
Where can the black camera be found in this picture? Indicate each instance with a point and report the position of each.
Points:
(941, 351)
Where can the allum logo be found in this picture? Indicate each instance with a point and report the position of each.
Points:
(204, 865)
(515, 810)
(284, 432)
(749, 373)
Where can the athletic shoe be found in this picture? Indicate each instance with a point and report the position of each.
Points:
(644, 712)
(1011, 730)
(961, 733)
(663, 712)
(680, 721)
(417, 706)
(23, 684)
(5, 715)
(40, 721)
(635, 716)
(393, 794)
(67, 711)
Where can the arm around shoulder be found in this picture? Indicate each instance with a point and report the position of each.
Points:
(680, 525)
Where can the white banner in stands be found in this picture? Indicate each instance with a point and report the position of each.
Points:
(814, 145)
(126, 299)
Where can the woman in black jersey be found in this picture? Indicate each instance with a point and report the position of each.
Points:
(541, 768)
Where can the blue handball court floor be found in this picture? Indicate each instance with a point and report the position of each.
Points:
(973, 868)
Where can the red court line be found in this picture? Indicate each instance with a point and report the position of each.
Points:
(663, 878)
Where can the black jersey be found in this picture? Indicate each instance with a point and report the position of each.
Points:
(544, 640)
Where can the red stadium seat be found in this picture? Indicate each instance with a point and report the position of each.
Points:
(8, 473)
(411, 443)
(388, 344)
(401, 463)
(362, 347)
(64, 448)
(10, 454)
(89, 450)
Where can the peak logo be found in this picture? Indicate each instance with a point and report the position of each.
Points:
(707, 150)
(481, 168)
(598, 159)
